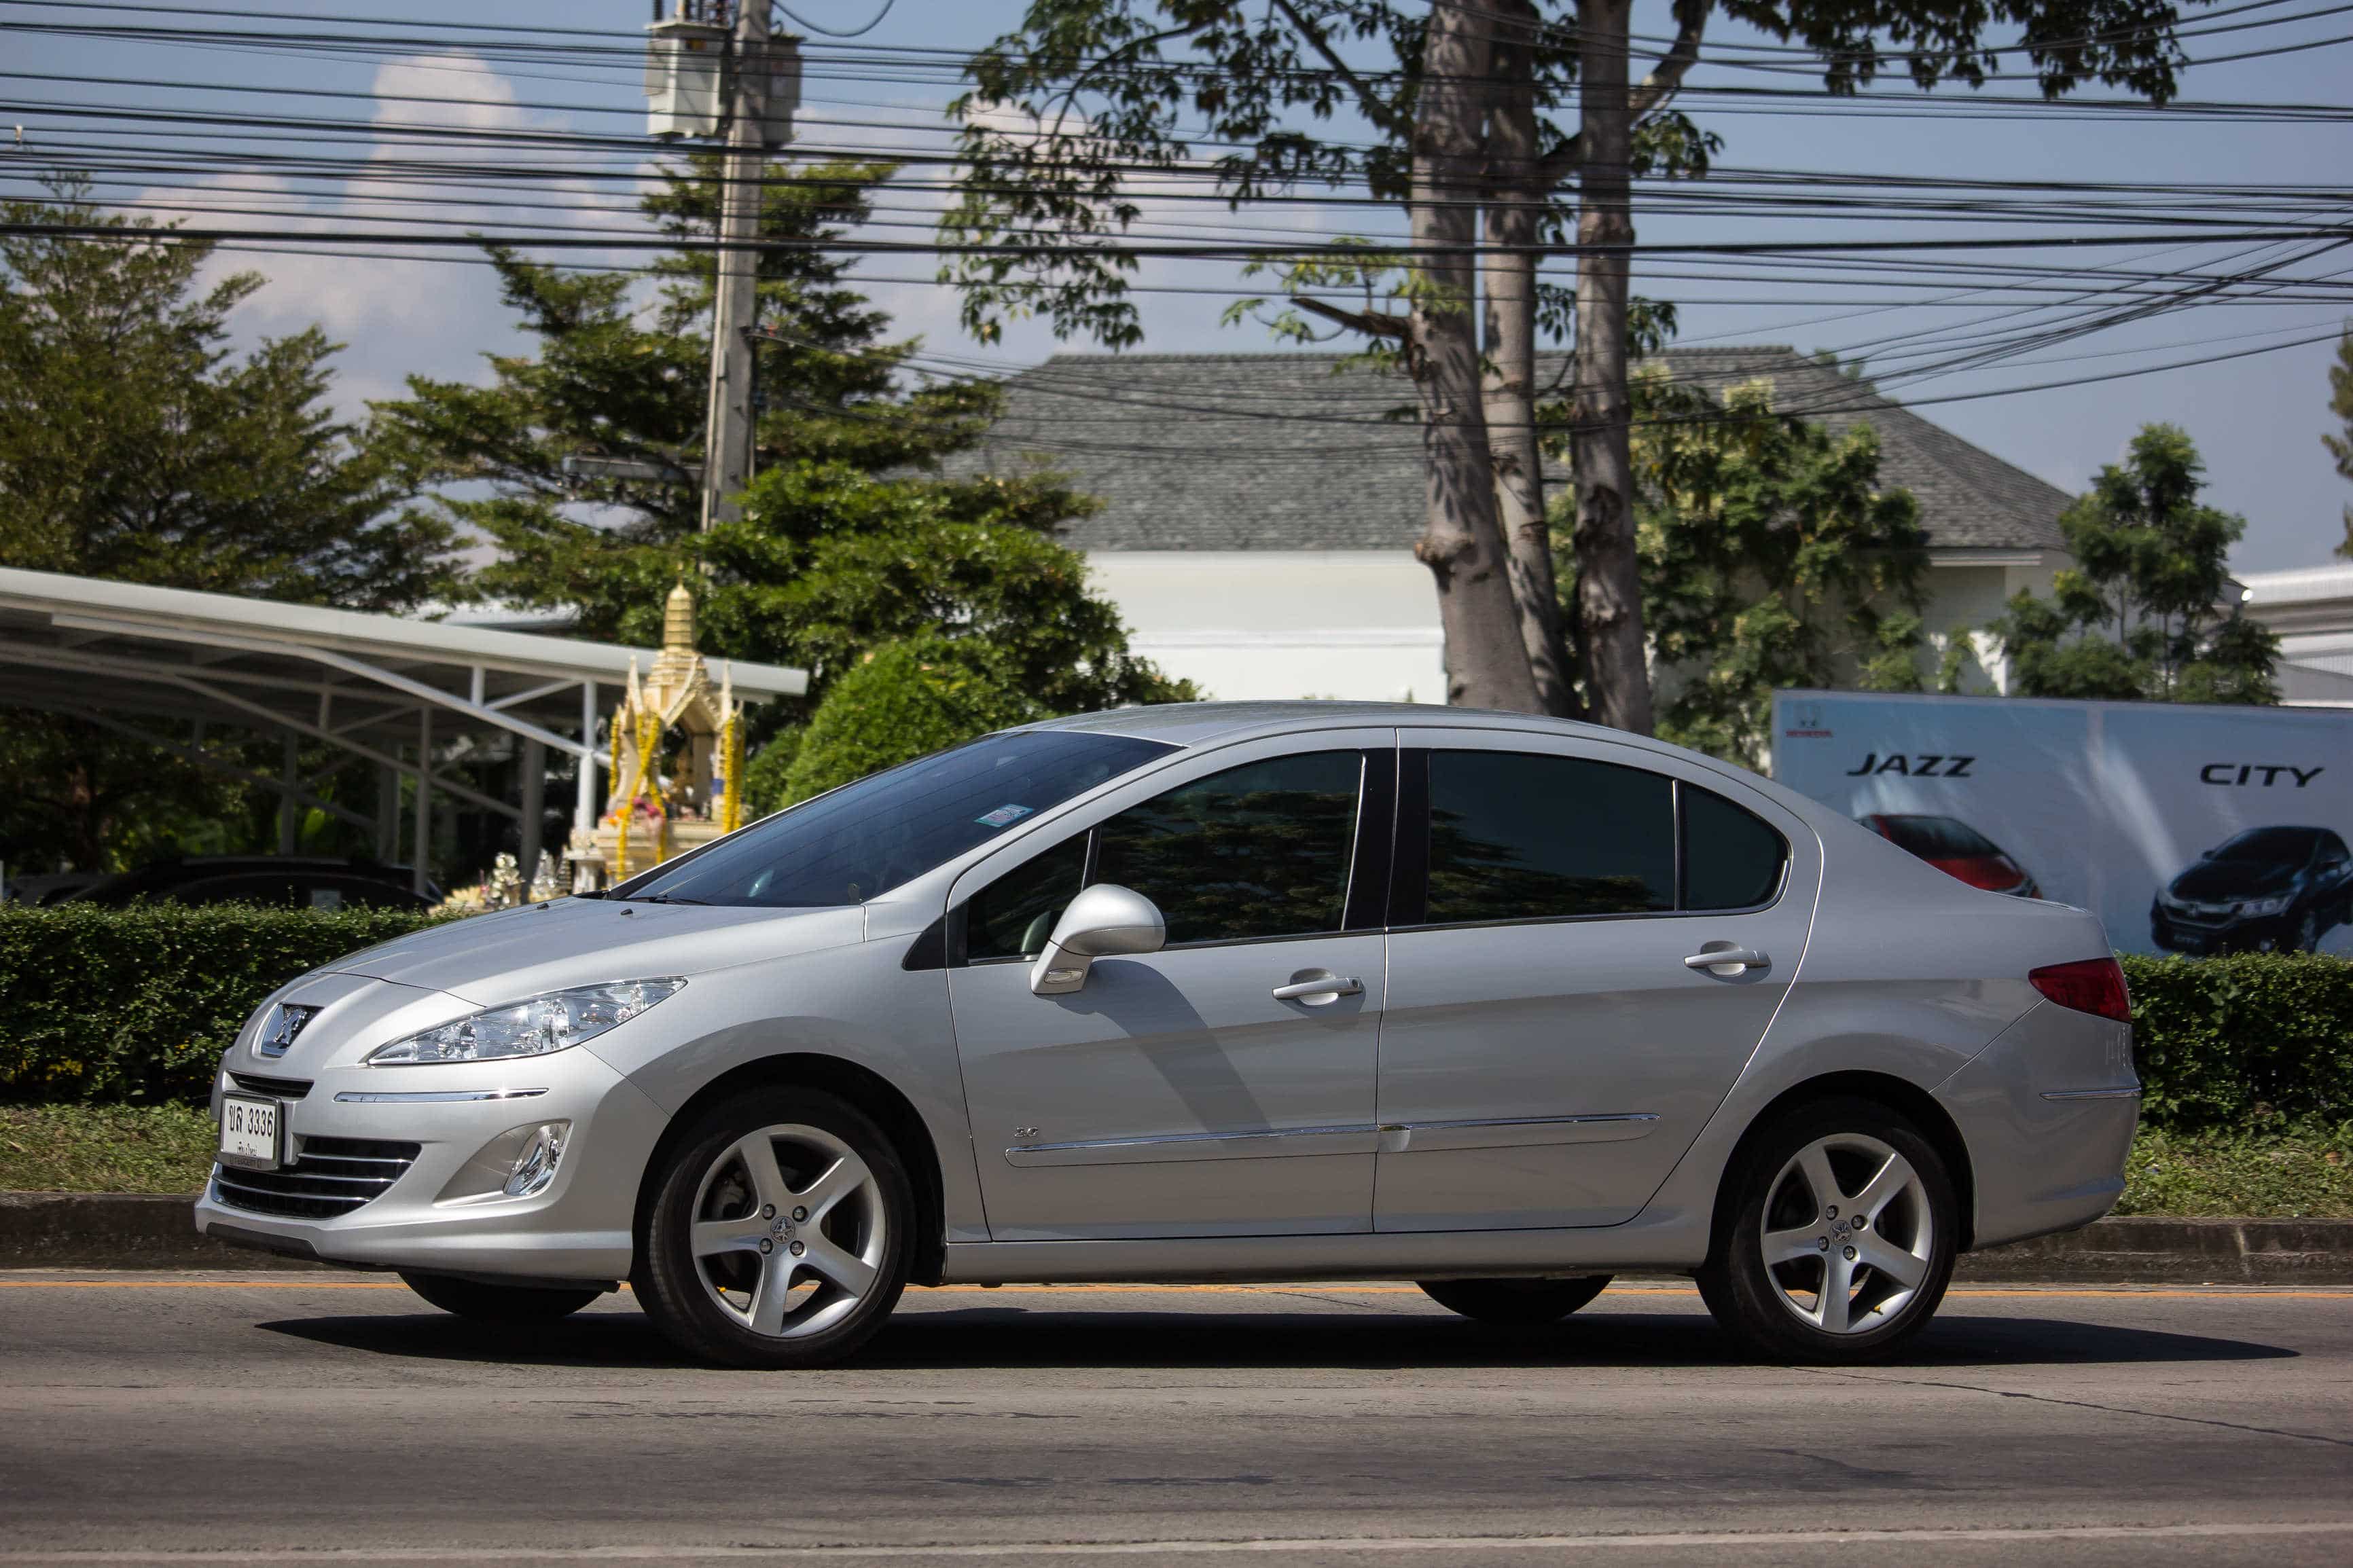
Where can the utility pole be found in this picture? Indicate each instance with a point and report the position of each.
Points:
(727, 426)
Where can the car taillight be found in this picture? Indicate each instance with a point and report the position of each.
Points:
(1994, 873)
(2095, 986)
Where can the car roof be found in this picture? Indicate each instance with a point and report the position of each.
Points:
(1205, 723)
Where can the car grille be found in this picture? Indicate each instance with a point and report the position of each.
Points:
(334, 1176)
(276, 1087)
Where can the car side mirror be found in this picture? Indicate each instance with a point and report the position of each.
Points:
(1104, 921)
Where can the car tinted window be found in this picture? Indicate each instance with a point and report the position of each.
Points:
(1013, 916)
(1255, 851)
(1732, 859)
(867, 837)
(2287, 845)
(1517, 836)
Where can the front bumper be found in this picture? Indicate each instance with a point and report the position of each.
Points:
(579, 1228)
(2176, 930)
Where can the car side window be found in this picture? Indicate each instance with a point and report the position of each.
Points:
(1260, 850)
(1515, 836)
(1014, 916)
(1732, 859)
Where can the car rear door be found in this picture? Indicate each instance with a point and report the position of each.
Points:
(1176, 1094)
(1548, 1050)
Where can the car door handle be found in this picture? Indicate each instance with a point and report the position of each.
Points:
(1716, 960)
(1322, 986)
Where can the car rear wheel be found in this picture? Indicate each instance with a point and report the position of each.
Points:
(1514, 1303)
(778, 1232)
(1834, 1238)
(497, 1303)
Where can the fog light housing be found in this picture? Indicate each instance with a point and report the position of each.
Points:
(517, 1163)
(535, 1163)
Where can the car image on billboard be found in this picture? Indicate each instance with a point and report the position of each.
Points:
(2277, 889)
(1956, 849)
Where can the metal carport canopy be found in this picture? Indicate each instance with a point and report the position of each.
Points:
(125, 656)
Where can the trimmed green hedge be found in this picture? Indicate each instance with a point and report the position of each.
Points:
(137, 1004)
(2243, 1042)
(107, 1005)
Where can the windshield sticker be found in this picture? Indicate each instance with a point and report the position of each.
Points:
(1002, 816)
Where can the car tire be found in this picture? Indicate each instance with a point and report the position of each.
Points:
(497, 1303)
(793, 1261)
(1514, 1303)
(1789, 1274)
(2305, 938)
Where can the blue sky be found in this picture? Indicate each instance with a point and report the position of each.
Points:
(2258, 418)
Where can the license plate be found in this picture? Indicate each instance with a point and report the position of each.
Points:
(252, 1132)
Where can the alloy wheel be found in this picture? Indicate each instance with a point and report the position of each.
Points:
(790, 1231)
(1848, 1234)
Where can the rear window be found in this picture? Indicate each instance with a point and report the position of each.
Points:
(1514, 836)
(867, 837)
(1936, 838)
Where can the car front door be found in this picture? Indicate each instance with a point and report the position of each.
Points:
(1176, 1093)
(1549, 1050)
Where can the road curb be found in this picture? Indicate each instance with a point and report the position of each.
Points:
(2154, 1251)
(138, 1230)
(115, 1230)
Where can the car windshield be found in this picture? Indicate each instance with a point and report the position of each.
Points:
(1937, 838)
(2277, 845)
(867, 837)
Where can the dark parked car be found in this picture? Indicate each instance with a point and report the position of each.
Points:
(294, 881)
(1956, 849)
(2280, 888)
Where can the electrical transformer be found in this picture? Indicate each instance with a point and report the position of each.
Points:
(686, 82)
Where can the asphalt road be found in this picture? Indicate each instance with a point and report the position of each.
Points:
(285, 1417)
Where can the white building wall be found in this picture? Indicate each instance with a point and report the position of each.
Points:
(1362, 624)
(1358, 624)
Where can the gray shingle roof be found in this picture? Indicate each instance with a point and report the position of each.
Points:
(1276, 451)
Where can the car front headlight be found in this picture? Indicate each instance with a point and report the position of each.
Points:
(554, 1022)
(2265, 906)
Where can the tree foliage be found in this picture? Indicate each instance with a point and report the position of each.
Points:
(2140, 615)
(1772, 557)
(844, 542)
(136, 445)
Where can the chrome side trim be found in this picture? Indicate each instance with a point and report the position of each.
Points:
(1354, 1138)
(431, 1095)
(1517, 1132)
(2131, 1092)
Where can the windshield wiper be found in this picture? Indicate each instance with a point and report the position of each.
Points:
(663, 898)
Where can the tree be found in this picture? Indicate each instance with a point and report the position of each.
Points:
(2340, 403)
(2139, 615)
(136, 445)
(844, 544)
(1772, 557)
(1071, 112)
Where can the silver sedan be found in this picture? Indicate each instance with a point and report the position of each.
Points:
(1290, 991)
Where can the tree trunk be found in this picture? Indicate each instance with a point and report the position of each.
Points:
(1516, 196)
(1461, 542)
(1609, 571)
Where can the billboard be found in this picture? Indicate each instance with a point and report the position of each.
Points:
(2185, 828)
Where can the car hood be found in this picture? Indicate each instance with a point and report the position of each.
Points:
(495, 959)
(2217, 880)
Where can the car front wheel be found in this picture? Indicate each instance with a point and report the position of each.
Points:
(778, 1232)
(1514, 1303)
(1834, 1240)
